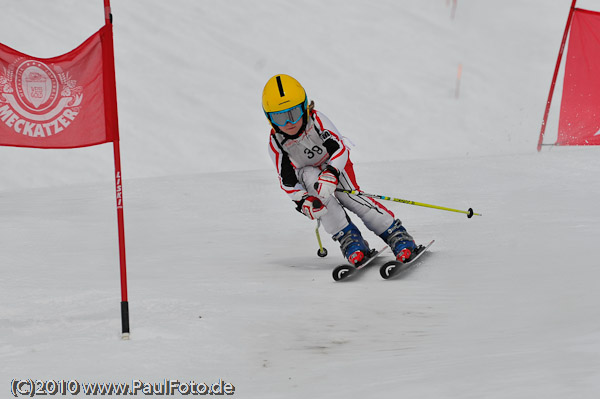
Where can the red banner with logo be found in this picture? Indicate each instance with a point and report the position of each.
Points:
(579, 121)
(67, 101)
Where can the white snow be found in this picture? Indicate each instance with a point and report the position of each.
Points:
(224, 281)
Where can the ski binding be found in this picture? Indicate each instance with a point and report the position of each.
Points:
(343, 272)
(394, 268)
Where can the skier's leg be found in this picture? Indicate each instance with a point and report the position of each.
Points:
(336, 222)
(376, 217)
(373, 214)
(335, 219)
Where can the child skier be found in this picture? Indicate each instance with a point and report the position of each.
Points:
(312, 161)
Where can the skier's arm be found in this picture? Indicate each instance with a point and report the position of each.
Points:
(288, 181)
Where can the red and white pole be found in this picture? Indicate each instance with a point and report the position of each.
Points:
(121, 224)
(556, 68)
(111, 91)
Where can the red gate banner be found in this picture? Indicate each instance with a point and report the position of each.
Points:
(579, 120)
(67, 101)
(60, 102)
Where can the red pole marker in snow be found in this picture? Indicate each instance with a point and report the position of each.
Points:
(454, 5)
(111, 87)
(458, 78)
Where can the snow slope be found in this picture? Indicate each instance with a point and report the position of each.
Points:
(505, 305)
(224, 281)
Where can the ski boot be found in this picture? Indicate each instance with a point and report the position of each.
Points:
(398, 239)
(353, 246)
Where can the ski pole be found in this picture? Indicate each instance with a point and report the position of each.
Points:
(322, 252)
(469, 213)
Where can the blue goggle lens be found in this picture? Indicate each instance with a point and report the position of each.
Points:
(291, 115)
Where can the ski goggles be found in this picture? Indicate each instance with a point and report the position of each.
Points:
(291, 115)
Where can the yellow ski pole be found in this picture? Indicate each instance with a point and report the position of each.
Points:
(469, 213)
(322, 252)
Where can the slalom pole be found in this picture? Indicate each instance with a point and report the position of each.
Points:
(469, 213)
(110, 87)
(555, 76)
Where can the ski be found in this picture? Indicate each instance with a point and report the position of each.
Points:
(344, 272)
(394, 268)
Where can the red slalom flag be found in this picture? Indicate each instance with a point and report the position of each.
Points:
(61, 102)
(67, 101)
(579, 121)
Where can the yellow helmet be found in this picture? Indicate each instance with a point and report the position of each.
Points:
(283, 92)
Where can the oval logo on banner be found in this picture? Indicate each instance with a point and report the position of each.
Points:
(37, 85)
(44, 100)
